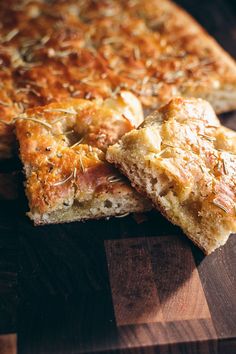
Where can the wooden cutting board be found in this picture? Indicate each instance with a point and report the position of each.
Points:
(117, 286)
(93, 289)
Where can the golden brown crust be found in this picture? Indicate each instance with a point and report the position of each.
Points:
(95, 49)
(184, 161)
(62, 148)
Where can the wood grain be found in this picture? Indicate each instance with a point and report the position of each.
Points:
(132, 282)
(177, 279)
(154, 280)
(73, 327)
(171, 337)
(8, 344)
(85, 323)
(218, 277)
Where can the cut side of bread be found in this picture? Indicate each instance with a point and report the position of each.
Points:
(62, 147)
(184, 161)
(117, 203)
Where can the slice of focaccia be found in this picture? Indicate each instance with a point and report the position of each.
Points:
(87, 49)
(184, 161)
(62, 147)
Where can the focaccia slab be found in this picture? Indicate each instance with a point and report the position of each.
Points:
(184, 160)
(88, 49)
(62, 148)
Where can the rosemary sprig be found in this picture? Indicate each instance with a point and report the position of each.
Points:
(122, 215)
(114, 179)
(35, 120)
(137, 54)
(6, 123)
(171, 146)
(224, 167)
(158, 154)
(59, 183)
(207, 137)
(77, 143)
(70, 110)
(10, 35)
(81, 164)
(75, 173)
(5, 104)
(222, 207)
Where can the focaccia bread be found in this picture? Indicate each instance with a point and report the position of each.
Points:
(62, 147)
(184, 161)
(88, 49)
